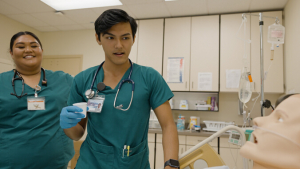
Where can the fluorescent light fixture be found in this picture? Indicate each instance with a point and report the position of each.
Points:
(61, 5)
(170, 0)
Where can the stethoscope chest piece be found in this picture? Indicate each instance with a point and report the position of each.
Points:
(89, 93)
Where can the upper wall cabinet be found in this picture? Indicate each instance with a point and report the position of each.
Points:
(274, 78)
(204, 53)
(232, 47)
(191, 53)
(150, 43)
(177, 45)
(134, 49)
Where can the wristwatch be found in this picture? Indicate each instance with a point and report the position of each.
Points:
(172, 163)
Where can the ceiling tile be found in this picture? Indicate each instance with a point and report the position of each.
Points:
(82, 16)
(149, 10)
(228, 6)
(69, 27)
(52, 19)
(46, 28)
(267, 4)
(28, 20)
(7, 9)
(30, 6)
(187, 7)
(99, 11)
(88, 26)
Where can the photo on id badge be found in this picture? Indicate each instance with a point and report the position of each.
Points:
(95, 104)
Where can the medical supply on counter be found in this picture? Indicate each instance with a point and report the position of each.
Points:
(197, 128)
(184, 105)
(202, 107)
(194, 121)
(235, 138)
(216, 125)
(209, 102)
(180, 123)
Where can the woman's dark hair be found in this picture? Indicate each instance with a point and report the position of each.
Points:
(282, 98)
(112, 17)
(13, 38)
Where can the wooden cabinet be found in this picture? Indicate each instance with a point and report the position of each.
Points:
(204, 50)
(196, 41)
(150, 43)
(232, 48)
(177, 45)
(274, 81)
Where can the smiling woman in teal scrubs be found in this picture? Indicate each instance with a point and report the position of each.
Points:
(30, 135)
(117, 139)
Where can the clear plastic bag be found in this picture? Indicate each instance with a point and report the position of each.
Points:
(245, 91)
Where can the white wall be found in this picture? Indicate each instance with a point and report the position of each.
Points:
(291, 47)
(8, 28)
(81, 42)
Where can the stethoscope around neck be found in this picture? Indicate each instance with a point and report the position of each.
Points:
(101, 86)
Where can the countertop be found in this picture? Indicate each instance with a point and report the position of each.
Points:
(190, 133)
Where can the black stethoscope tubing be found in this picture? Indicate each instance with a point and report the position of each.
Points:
(44, 82)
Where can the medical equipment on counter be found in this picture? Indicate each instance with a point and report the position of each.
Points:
(180, 123)
(44, 82)
(101, 86)
(204, 151)
(184, 105)
(216, 125)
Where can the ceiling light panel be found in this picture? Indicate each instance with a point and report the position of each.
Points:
(61, 5)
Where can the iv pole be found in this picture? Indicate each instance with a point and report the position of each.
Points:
(262, 75)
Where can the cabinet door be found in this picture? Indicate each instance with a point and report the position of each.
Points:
(177, 45)
(231, 157)
(274, 81)
(151, 154)
(134, 48)
(232, 47)
(205, 50)
(150, 43)
(159, 156)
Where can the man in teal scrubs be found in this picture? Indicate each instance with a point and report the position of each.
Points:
(116, 138)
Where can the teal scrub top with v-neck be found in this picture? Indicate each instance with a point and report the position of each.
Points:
(111, 129)
(34, 138)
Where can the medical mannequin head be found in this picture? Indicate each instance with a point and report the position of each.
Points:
(271, 150)
(26, 51)
(115, 32)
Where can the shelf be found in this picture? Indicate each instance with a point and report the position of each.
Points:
(194, 110)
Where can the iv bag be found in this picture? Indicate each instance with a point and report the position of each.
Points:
(276, 34)
(245, 91)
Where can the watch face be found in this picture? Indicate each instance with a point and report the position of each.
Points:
(174, 163)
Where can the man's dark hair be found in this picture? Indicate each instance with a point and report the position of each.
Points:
(15, 36)
(112, 17)
(282, 98)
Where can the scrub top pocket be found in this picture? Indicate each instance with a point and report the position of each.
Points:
(139, 157)
(95, 155)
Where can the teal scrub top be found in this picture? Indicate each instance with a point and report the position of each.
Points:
(111, 129)
(34, 139)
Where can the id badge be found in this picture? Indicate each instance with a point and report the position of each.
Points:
(96, 103)
(35, 103)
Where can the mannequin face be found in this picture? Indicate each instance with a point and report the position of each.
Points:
(271, 150)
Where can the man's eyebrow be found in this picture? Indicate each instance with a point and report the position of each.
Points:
(126, 34)
(106, 33)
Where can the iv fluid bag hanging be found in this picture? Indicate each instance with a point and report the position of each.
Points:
(276, 34)
(245, 91)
